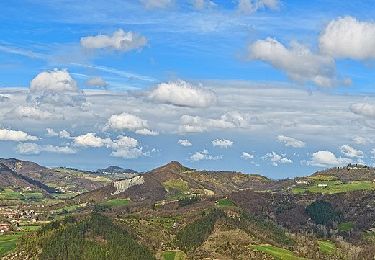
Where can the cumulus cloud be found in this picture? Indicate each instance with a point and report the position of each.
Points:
(126, 147)
(153, 4)
(123, 146)
(197, 124)
(13, 135)
(182, 93)
(125, 121)
(204, 155)
(290, 141)
(96, 82)
(55, 87)
(91, 140)
(346, 37)
(349, 151)
(247, 156)
(184, 142)
(298, 62)
(119, 40)
(146, 131)
(222, 143)
(32, 148)
(62, 134)
(327, 159)
(277, 159)
(251, 6)
(32, 112)
(363, 109)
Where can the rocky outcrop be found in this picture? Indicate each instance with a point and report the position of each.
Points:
(123, 185)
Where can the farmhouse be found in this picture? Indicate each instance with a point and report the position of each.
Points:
(4, 227)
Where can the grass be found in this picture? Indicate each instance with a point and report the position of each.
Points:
(8, 243)
(8, 194)
(67, 209)
(177, 184)
(173, 255)
(116, 202)
(30, 228)
(225, 203)
(346, 226)
(277, 252)
(335, 187)
(323, 177)
(326, 247)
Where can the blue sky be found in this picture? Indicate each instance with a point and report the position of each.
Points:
(276, 87)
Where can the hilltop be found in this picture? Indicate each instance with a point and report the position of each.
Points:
(176, 212)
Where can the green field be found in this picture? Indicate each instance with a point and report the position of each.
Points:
(277, 252)
(116, 202)
(326, 247)
(346, 226)
(335, 187)
(225, 203)
(8, 242)
(30, 228)
(173, 255)
(67, 209)
(9, 194)
(176, 184)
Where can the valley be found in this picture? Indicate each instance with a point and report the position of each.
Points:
(174, 212)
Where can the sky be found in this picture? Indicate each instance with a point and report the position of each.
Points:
(282, 88)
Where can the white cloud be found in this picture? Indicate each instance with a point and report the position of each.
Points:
(119, 40)
(327, 159)
(31, 113)
(277, 159)
(363, 109)
(197, 124)
(51, 132)
(361, 140)
(123, 146)
(96, 82)
(222, 143)
(349, 151)
(13, 135)
(125, 121)
(55, 80)
(32, 148)
(247, 156)
(62, 134)
(152, 4)
(126, 147)
(182, 93)
(290, 141)
(298, 62)
(251, 6)
(91, 140)
(204, 155)
(146, 131)
(346, 37)
(55, 87)
(184, 142)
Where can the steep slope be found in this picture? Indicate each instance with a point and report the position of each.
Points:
(12, 180)
(350, 172)
(174, 181)
(61, 179)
